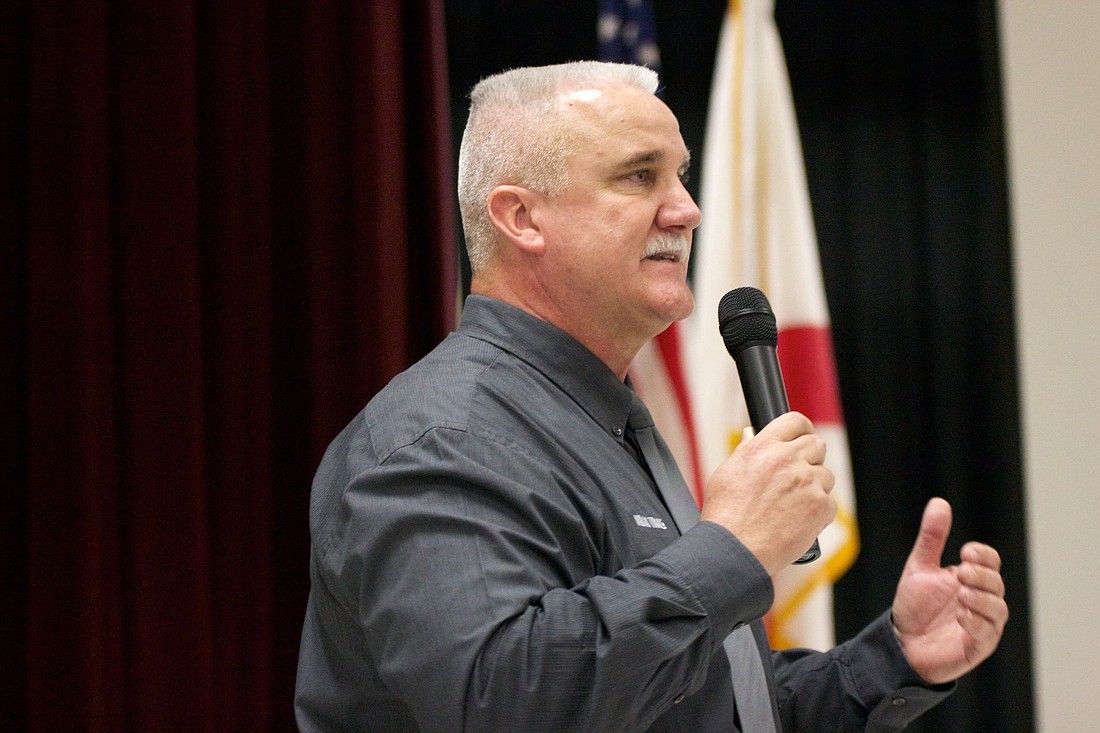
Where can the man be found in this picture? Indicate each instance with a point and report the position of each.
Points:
(490, 549)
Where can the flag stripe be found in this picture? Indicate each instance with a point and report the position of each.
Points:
(809, 373)
(670, 348)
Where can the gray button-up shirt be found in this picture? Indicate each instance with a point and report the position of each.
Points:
(486, 555)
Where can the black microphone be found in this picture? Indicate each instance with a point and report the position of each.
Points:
(747, 325)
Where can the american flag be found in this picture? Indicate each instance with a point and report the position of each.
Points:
(628, 33)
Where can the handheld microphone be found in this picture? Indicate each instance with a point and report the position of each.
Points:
(748, 328)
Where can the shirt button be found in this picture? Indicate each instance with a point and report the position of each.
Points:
(899, 701)
(679, 699)
(618, 432)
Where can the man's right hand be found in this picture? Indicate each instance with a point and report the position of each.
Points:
(773, 492)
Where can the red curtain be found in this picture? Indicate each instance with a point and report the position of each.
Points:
(225, 226)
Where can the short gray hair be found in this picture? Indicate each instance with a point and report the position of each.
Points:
(516, 135)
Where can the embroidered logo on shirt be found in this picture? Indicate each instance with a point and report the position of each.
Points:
(653, 522)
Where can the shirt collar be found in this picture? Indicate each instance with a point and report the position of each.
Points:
(565, 361)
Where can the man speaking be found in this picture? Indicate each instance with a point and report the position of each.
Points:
(499, 539)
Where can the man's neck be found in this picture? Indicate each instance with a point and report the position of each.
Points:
(615, 350)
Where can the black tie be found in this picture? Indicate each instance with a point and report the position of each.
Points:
(750, 686)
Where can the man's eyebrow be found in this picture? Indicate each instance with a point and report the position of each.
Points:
(652, 156)
(644, 158)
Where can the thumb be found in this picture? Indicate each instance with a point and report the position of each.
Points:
(935, 525)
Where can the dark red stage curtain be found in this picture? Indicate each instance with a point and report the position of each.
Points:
(224, 227)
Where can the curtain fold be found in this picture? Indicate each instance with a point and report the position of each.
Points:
(226, 226)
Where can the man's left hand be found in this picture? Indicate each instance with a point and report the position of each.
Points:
(948, 619)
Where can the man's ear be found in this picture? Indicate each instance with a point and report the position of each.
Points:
(510, 209)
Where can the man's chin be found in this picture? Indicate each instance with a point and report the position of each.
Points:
(679, 308)
(687, 310)
(685, 304)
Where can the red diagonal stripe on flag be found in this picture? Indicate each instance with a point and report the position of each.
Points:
(668, 344)
(809, 373)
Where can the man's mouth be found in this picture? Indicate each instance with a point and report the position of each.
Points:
(667, 249)
(665, 257)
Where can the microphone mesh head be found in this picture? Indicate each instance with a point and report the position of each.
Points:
(745, 318)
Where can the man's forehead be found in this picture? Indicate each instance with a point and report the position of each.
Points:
(635, 119)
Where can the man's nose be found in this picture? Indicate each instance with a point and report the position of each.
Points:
(680, 211)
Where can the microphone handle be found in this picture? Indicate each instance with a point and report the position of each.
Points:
(766, 399)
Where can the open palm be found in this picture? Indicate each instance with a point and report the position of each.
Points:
(948, 619)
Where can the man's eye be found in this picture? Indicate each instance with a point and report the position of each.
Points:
(642, 176)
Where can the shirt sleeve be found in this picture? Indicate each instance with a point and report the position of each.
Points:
(864, 681)
(477, 593)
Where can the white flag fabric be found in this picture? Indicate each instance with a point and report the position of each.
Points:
(757, 230)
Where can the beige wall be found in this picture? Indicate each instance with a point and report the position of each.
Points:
(1051, 62)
